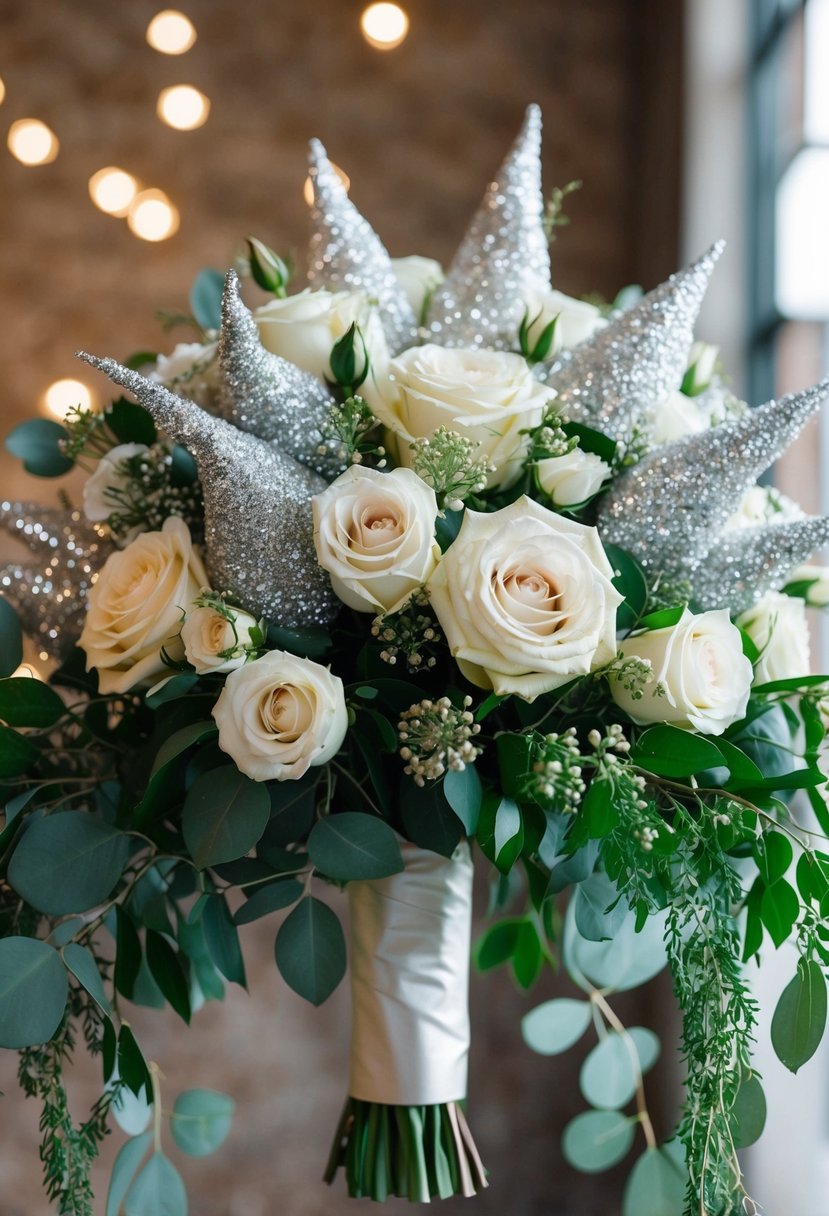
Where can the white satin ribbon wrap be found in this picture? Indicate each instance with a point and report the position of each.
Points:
(410, 937)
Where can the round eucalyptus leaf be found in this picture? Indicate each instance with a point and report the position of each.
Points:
(33, 991)
(656, 1186)
(201, 1120)
(629, 960)
(67, 862)
(748, 1114)
(310, 950)
(123, 1171)
(556, 1025)
(352, 846)
(157, 1191)
(610, 1073)
(224, 815)
(597, 1139)
(37, 443)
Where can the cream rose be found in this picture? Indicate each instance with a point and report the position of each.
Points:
(279, 715)
(98, 500)
(489, 396)
(214, 641)
(702, 679)
(677, 417)
(375, 535)
(525, 599)
(136, 605)
(303, 329)
(812, 583)
(418, 277)
(572, 478)
(191, 370)
(778, 627)
(576, 320)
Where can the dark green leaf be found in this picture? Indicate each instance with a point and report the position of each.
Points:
(428, 818)
(176, 686)
(67, 862)
(800, 1017)
(500, 831)
(222, 938)
(312, 642)
(293, 810)
(310, 950)
(598, 909)
(629, 580)
(498, 943)
(514, 752)
(597, 812)
(11, 639)
(779, 909)
(37, 444)
(794, 684)
(773, 854)
(16, 753)
(671, 752)
(81, 962)
(663, 619)
(201, 1120)
(224, 815)
(591, 440)
(352, 845)
(167, 971)
(157, 1191)
(130, 422)
(267, 899)
(124, 1169)
(132, 1067)
(28, 702)
(527, 956)
(748, 1114)
(206, 298)
(754, 921)
(127, 953)
(464, 794)
(33, 990)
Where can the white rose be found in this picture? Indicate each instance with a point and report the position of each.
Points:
(778, 628)
(699, 666)
(488, 396)
(375, 535)
(572, 478)
(763, 505)
(525, 599)
(677, 417)
(191, 370)
(98, 500)
(279, 715)
(136, 605)
(816, 594)
(216, 641)
(576, 320)
(303, 329)
(418, 277)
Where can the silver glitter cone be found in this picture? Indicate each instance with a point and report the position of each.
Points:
(266, 395)
(49, 593)
(481, 300)
(258, 526)
(347, 255)
(624, 372)
(742, 566)
(668, 509)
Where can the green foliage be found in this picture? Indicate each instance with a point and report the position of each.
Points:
(800, 1017)
(38, 443)
(158, 1190)
(225, 814)
(33, 991)
(310, 950)
(124, 1170)
(611, 1071)
(201, 1121)
(656, 1186)
(352, 845)
(11, 639)
(28, 702)
(67, 862)
(597, 1139)
(268, 270)
(206, 298)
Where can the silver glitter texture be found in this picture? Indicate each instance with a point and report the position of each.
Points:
(347, 255)
(266, 395)
(624, 372)
(743, 565)
(481, 300)
(49, 593)
(258, 525)
(669, 509)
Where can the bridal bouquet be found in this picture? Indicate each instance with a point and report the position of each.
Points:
(390, 568)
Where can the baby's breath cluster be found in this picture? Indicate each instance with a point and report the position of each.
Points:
(437, 737)
(446, 462)
(410, 635)
(549, 438)
(633, 674)
(151, 489)
(556, 776)
(344, 433)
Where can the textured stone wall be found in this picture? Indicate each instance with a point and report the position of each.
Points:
(419, 130)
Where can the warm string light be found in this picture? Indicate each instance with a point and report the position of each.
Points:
(171, 32)
(32, 142)
(2, 90)
(152, 216)
(308, 188)
(112, 190)
(384, 26)
(182, 106)
(62, 395)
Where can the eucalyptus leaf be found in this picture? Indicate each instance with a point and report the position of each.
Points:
(310, 950)
(800, 1017)
(428, 818)
(33, 991)
(353, 845)
(628, 961)
(28, 702)
(11, 639)
(81, 962)
(67, 862)
(16, 752)
(132, 1112)
(206, 298)
(748, 1114)
(656, 1186)
(124, 1170)
(611, 1071)
(463, 792)
(597, 1139)
(268, 898)
(37, 443)
(556, 1025)
(166, 969)
(598, 909)
(201, 1121)
(157, 1191)
(225, 814)
(222, 939)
